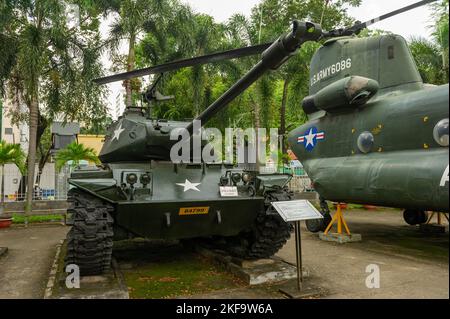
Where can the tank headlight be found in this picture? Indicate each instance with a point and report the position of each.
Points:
(223, 181)
(440, 132)
(365, 142)
(236, 177)
(131, 178)
(145, 179)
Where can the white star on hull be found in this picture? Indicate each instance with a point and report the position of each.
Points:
(117, 132)
(188, 185)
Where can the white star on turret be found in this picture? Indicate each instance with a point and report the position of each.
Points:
(188, 185)
(310, 138)
(117, 132)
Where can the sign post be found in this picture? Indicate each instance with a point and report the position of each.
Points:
(298, 252)
(294, 212)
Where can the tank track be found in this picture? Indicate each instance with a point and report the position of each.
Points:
(267, 236)
(90, 240)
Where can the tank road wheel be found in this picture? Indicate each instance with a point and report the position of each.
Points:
(317, 225)
(90, 240)
(267, 236)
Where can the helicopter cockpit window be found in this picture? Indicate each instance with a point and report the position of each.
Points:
(440, 132)
(365, 142)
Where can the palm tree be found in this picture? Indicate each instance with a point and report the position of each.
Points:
(75, 152)
(48, 65)
(10, 153)
(428, 59)
(441, 32)
(134, 18)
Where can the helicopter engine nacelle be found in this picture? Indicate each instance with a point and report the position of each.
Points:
(384, 62)
(350, 92)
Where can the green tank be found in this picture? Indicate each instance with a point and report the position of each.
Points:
(140, 192)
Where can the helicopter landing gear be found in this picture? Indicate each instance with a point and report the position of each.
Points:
(317, 225)
(415, 217)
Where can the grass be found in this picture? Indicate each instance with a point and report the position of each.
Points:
(20, 218)
(170, 271)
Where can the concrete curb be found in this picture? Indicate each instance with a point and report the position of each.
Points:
(120, 278)
(256, 272)
(96, 288)
(52, 277)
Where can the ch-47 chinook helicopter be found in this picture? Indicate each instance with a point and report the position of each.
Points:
(375, 92)
(376, 133)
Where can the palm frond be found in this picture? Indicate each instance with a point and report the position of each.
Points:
(12, 153)
(75, 152)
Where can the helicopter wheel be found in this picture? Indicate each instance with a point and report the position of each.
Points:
(415, 217)
(317, 225)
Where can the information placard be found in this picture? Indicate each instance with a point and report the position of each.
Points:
(229, 191)
(296, 210)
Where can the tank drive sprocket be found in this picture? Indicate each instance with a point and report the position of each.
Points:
(90, 240)
(268, 234)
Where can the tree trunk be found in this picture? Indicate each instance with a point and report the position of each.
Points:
(2, 202)
(3, 185)
(283, 116)
(34, 119)
(130, 67)
(42, 125)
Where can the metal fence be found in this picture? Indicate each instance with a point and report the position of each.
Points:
(301, 184)
(53, 184)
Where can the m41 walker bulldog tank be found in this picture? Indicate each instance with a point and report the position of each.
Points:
(141, 192)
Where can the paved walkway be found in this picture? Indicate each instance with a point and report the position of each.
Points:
(25, 268)
(412, 264)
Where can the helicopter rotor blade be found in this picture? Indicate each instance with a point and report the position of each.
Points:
(172, 66)
(360, 26)
(247, 51)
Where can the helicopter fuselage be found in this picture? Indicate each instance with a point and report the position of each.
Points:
(377, 134)
(405, 167)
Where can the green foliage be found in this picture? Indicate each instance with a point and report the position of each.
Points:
(20, 219)
(429, 61)
(75, 152)
(12, 153)
(187, 34)
(99, 125)
(43, 57)
(432, 55)
(48, 64)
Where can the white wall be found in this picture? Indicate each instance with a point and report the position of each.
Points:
(12, 177)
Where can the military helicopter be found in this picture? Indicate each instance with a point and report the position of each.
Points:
(357, 147)
(376, 134)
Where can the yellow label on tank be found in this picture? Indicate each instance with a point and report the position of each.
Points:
(194, 211)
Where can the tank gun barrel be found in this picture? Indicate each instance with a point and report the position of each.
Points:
(271, 59)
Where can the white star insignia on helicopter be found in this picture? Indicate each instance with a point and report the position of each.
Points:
(310, 138)
(188, 185)
(117, 132)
